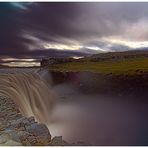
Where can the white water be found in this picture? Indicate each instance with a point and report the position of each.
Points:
(98, 120)
(29, 91)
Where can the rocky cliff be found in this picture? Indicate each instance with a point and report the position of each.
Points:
(17, 130)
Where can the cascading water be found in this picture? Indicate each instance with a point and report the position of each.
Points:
(95, 118)
(30, 92)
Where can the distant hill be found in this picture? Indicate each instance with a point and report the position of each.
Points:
(128, 62)
(118, 55)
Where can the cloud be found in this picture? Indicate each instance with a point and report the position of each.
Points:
(33, 28)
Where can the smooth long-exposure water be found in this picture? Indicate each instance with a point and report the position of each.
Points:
(32, 94)
(101, 120)
(91, 118)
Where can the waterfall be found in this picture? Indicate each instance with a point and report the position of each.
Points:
(30, 92)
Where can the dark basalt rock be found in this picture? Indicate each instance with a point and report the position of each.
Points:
(15, 129)
(58, 141)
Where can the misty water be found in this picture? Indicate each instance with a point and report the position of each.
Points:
(76, 115)
(99, 120)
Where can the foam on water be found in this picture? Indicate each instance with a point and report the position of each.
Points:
(29, 91)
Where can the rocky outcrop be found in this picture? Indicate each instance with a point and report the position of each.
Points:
(15, 129)
(58, 141)
(122, 85)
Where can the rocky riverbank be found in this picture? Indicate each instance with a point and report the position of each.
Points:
(17, 130)
(122, 85)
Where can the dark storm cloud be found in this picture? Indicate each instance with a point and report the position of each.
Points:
(25, 27)
(50, 21)
(44, 21)
(8, 28)
(11, 41)
(82, 20)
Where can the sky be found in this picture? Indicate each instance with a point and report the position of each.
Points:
(33, 30)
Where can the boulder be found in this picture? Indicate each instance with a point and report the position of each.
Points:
(4, 137)
(12, 143)
(41, 132)
(58, 141)
(15, 129)
(27, 139)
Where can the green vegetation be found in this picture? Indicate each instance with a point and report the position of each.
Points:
(135, 65)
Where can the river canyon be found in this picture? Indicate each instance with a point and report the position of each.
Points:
(80, 106)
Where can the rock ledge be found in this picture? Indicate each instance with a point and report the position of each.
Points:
(15, 129)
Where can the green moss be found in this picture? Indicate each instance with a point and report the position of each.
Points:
(125, 66)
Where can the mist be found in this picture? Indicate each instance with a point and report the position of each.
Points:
(97, 119)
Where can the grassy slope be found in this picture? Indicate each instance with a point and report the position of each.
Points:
(125, 66)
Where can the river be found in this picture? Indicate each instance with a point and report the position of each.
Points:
(75, 114)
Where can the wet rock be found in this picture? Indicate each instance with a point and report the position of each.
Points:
(27, 139)
(41, 132)
(18, 130)
(58, 141)
(12, 143)
(3, 124)
(31, 119)
(20, 123)
(18, 116)
(4, 138)
(8, 135)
